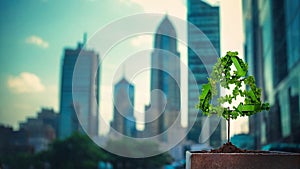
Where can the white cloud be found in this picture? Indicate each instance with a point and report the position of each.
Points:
(38, 41)
(141, 40)
(212, 2)
(25, 83)
(172, 7)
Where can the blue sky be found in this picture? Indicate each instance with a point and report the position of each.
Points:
(34, 34)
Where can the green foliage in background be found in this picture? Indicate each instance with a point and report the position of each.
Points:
(223, 75)
(79, 152)
(139, 149)
(76, 152)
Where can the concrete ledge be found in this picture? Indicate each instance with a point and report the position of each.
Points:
(271, 160)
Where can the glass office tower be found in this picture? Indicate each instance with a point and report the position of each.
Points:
(272, 38)
(123, 115)
(79, 92)
(205, 18)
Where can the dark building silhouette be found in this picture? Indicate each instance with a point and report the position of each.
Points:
(41, 130)
(34, 134)
(12, 141)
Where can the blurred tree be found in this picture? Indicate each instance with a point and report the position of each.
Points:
(137, 149)
(80, 152)
(75, 152)
(17, 160)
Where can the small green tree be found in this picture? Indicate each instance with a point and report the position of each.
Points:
(223, 75)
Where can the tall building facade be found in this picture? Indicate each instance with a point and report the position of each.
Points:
(254, 58)
(79, 92)
(203, 51)
(165, 81)
(123, 116)
(272, 35)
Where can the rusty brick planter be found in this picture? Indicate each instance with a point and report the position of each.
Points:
(242, 160)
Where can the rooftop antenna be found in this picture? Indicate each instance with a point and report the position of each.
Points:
(84, 39)
(166, 15)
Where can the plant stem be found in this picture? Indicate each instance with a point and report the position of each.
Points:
(228, 134)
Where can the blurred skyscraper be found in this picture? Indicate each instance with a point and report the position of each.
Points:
(79, 92)
(123, 117)
(165, 82)
(272, 40)
(206, 45)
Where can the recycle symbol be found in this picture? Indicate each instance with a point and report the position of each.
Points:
(222, 74)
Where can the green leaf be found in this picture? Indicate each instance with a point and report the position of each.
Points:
(240, 71)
